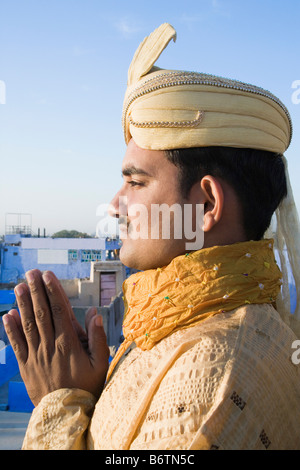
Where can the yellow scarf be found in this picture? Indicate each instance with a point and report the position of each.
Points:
(194, 287)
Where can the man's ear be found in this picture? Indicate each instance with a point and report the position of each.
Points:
(213, 198)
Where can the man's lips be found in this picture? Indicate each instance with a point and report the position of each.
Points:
(123, 226)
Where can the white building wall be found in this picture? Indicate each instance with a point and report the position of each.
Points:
(63, 243)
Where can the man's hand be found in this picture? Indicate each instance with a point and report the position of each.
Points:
(52, 349)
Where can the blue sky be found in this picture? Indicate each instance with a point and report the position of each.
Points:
(64, 64)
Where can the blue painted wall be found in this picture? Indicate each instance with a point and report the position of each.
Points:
(75, 269)
(11, 265)
(18, 399)
(7, 297)
(10, 367)
(15, 261)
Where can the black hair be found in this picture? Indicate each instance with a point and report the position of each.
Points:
(257, 177)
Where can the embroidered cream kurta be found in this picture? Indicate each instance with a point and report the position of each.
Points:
(226, 383)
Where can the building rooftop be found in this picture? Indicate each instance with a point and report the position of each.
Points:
(12, 429)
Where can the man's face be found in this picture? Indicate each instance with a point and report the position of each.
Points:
(148, 179)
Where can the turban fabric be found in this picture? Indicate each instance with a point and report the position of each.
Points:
(167, 109)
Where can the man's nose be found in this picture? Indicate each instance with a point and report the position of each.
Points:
(118, 206)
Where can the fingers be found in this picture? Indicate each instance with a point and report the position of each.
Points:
(12, 325)
(91, 312)
(60, 308)
(99, 351)
(15, 314)
(40, 306)
(47, 318)
(78, 328)
(27, 315)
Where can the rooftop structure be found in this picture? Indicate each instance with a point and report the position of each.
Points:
(68, 258)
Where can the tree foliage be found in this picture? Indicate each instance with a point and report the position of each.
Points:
(70, 234)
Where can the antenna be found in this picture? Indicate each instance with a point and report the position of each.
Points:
(18, 223)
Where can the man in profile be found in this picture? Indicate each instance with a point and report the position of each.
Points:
(206, 360)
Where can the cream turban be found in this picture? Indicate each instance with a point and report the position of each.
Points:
(169, 109)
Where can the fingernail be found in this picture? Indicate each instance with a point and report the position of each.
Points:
(19, 290)
(91, 311)
(47, 278)
(30, 276)
(98, 320)
(5, 319)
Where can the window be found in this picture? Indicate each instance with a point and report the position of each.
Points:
(73, 255)
(90, 255)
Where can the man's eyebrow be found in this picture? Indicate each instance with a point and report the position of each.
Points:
(133, 170)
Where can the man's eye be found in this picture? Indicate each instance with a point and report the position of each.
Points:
(135, 183)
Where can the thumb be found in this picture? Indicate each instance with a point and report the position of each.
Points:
(99, 351)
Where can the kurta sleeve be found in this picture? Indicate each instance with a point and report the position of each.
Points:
(60, 421)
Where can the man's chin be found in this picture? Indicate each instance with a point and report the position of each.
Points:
(126, 258)
(129, 256)
(144, 254)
